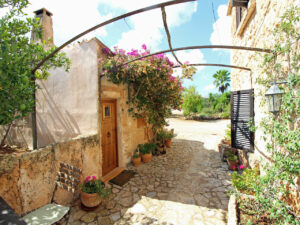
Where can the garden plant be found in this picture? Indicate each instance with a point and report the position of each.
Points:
(18, 57)
(275, 195)
(153, 90)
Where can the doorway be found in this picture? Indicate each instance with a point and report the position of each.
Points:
(109, 136)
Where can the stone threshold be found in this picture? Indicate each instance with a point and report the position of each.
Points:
(112, 174)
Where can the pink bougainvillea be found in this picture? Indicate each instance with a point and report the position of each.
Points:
(154, 91)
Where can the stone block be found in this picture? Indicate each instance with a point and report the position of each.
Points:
(37, 176)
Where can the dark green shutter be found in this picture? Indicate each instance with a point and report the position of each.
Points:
(242, 111)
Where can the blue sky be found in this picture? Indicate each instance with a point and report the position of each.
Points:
(189, 24)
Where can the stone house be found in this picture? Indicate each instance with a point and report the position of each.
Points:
(253, 22)
(82, 120)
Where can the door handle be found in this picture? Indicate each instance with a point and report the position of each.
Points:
(108, 134)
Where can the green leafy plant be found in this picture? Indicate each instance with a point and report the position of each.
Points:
(169, 135)
(18, 57)
(227, 136)
(136, 154)
(192, 101)
(147, 148)
(231, 157)
(216, 105)
(161, 136)
(91, 185)
(246, 181)
(153, 90)
(275, 190)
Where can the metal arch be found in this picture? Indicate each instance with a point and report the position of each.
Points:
(202, 47)
(221, 65)
(108, 22)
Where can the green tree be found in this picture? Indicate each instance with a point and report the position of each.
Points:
(222, 80)
(18, 56)
(192, 101)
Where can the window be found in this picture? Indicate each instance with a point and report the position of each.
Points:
(107, 111)
(242, 112)
(239, 6)
(239, 11)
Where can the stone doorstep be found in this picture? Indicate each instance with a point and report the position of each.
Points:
(112, 174)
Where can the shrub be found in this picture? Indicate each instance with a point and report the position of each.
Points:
(147, 148)
(246, 181)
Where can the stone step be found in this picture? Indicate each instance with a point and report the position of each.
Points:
(112, 174)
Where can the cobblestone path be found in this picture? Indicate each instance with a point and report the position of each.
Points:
(185, 186)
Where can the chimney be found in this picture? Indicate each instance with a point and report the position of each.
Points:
(47, 28)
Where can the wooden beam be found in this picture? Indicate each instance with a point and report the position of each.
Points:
(221, 65)
(202, 47)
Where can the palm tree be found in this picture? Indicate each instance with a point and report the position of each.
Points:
(222, 80)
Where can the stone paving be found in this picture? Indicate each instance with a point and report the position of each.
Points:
(185, 186)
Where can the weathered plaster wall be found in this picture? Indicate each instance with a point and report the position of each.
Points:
(27, 180)
(258, 33)
(67, 103)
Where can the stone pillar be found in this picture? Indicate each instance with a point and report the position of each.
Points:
(47, 28)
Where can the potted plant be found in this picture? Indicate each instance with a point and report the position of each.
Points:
(146, 151)
(93, 191)
(169, 135)
(227, 136)
(232, 161)
(136, 158)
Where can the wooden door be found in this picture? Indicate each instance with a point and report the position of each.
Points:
(109, 136)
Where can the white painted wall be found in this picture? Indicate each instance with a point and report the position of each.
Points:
(67, 103)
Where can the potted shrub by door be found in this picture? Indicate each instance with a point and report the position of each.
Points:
(92, 192)
(232, 161)
(169, 136)
(136, 158)
(146, 150)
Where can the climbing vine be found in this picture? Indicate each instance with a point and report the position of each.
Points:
(153, 90)
(276, 194)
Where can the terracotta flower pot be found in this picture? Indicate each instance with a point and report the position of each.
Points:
(232, 165)
(90, 200)
(136, 161)
(168, 143)
(147, 157)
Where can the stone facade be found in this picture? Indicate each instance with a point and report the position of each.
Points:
(255, 30)
(27, 180)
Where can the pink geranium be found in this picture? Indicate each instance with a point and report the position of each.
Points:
(88, 178)
(242, 167)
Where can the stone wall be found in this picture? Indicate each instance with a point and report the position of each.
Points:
(27, 180)
(260, 19)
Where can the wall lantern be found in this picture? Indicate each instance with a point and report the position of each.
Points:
(239, 3)
(274, 96)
